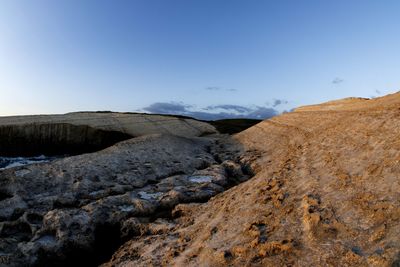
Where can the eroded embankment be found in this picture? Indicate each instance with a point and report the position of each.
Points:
(54, 139)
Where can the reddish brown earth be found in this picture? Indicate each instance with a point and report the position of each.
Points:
(326, 193)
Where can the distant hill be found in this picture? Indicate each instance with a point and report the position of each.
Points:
(228, 126)
(232, 126)
(80, 132)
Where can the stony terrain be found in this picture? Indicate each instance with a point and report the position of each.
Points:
(78, 210)
(326, 192)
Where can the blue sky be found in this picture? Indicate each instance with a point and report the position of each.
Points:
(202, 55)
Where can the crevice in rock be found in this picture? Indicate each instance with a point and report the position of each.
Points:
(247, 170)
(17, 213)
(164, 212)
(107, 239)
(19, 230)
(204, 165)
(34, 218)
(4, 195)
(217, 158)
(119, 236)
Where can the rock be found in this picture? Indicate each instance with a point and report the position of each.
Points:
(53, 213)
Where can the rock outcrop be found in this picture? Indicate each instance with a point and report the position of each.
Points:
(78, 210)
(53, 213)
(81, 132)
(326, 192)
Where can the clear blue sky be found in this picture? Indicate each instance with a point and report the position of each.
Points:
(70, 55)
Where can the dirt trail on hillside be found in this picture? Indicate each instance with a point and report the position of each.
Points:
(326, 193)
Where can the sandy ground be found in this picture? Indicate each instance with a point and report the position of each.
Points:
(326, 193)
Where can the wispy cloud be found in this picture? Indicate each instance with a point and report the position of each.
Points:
(337, 80)
(377, 92)
(278, 102)
(213, 88)
(234, 108)
(218, 88)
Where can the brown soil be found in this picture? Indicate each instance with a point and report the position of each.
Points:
(326, 193)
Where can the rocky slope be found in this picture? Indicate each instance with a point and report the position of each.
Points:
(326, 193)
(78, 210)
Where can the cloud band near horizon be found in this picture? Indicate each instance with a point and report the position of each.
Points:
(216, 112)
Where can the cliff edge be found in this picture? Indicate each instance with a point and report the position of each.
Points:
(82, 132)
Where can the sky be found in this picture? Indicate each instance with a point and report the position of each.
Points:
(227, 58)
